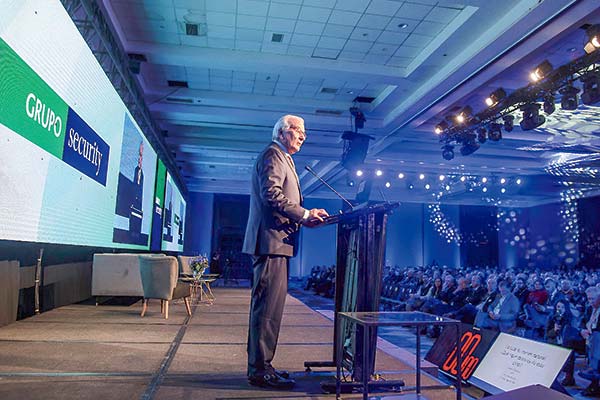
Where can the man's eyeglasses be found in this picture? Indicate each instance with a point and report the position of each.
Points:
(297, 129)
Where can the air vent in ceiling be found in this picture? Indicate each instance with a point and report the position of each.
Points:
(177, 83)
(329, 90)
(363, 99)
(180, 100)
(329, 112)
(277, 37)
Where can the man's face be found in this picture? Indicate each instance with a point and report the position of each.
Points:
(293, 137)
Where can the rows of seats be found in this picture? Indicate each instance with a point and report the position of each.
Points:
(322, 280)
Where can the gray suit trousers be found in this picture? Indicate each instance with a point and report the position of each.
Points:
(269, 289)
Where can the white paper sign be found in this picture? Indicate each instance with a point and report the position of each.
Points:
(514, 362)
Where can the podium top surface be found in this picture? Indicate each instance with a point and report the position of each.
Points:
(355, 213)
(397, 318)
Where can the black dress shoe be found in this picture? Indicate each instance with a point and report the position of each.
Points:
(271, 380)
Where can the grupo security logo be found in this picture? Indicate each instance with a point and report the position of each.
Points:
(30, 108)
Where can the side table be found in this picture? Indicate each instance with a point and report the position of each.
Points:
(372, 319)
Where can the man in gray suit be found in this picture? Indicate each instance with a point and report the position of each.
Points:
(276, 215)
(502, 313)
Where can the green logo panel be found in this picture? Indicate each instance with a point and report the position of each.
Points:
(28, 105)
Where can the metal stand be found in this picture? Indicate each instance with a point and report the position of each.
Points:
(39, 276)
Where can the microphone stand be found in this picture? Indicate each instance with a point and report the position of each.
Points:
(309, 169)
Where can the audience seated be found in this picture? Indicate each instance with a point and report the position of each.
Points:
(559, 306)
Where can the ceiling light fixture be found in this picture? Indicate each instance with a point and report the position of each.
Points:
(541, 71)
(549, 104)
(495, 131)
(569, 100)
(591, 89)
(509, 122)
(593, 43)
(495, 97)
(448, 152)
(531, 116)
(481, 134)
(464, 115)
(441, 127)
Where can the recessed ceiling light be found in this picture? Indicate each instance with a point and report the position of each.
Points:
(350, 92)
(402, 26)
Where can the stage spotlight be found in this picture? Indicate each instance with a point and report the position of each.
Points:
(541, 71)
(411, 186)
(469, 147)
(350, 182)
(549, 104)
(484, 179)
(484, 189)
(591, 89)
(442, 177)
(464, 115)
(441, 127)
(503, 180)
(593, 43)
(495, 97)
(421, 176)
(379, 172)
(495, 131)
(448, 152)
(463, 178)
(569, 100)
(359, 173)
(388, 184)
(518, 181)
(428, 186)
(531, 116)
(509, 122)
(481, 134)
(503, 190)
(400, 175)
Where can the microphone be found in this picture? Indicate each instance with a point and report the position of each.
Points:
(309, 169)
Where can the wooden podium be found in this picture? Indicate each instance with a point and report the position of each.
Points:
(360, 258)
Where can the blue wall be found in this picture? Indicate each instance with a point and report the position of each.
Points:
(412, 240)
(199, 224)
(436, 246)
(405, 236)
(535, 237)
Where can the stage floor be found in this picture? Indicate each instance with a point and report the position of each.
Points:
(110, 352)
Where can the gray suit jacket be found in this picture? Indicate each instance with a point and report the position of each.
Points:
(275, 205)
(508, 311)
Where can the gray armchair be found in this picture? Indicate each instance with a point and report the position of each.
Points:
(160, 281)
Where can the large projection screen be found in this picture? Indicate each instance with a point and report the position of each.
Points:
(173, 217)
(76, 168)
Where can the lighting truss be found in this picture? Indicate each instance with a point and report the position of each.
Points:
(561, 77)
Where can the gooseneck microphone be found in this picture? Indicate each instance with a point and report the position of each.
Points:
(309, 169)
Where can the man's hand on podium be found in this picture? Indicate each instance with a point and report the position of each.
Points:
(315, 217)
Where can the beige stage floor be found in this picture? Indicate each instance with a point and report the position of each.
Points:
(110, 352)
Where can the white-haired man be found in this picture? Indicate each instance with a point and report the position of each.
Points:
(276, 215)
